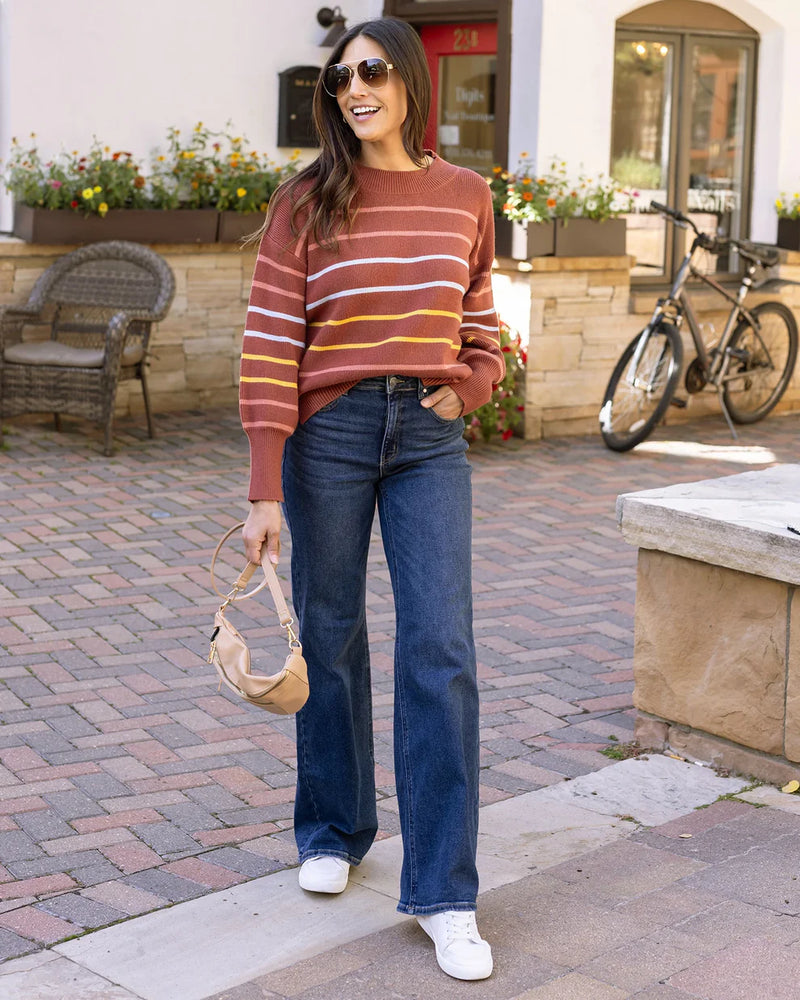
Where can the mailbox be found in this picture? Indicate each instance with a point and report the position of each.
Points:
(295, 126)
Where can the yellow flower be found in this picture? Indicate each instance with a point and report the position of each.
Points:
(188, 154)
(263, 206)
(161, 159)
(102, 208)
(106, 149)
(778, 204)
(524, 154)
(87, 193)
(295, 154)
(198, 126)
(97, 189)
(241, 192)
(526, 180)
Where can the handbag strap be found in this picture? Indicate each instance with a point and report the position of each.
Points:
(270, 580)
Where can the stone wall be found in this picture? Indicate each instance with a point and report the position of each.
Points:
(195, 350)
(575, 315)
(578, 313)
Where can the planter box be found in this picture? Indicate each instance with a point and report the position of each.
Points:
(140, 225)
(235, 226)
(590, 238)
(522, 240)
(789, 234)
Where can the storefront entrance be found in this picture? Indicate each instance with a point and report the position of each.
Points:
(463, 62)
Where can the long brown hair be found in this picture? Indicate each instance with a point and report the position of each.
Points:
(328, 185)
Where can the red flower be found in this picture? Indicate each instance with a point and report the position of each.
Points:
(73, 204)
(506, 349)
(507, 433)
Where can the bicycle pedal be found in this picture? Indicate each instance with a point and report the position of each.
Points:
(680, 404)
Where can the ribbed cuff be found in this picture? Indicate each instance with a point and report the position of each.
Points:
(475, 390)
(266, 455)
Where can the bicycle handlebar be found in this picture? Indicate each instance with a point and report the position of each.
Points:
(767, 256)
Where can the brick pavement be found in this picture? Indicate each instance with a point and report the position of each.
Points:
(127, 781)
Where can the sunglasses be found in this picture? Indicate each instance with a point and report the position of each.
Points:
(373, 73)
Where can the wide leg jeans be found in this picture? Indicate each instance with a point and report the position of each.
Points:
(377, 445)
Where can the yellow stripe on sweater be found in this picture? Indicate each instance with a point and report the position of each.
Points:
(267, 357)
(387, 340)
(271, 381)
(415, 312)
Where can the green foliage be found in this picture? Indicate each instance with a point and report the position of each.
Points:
(505, 411)
(631, 171)
(528, 196)
(209, 170)
(788, 208)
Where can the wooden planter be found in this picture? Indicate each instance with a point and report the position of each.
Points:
(235, 226)
(590, 238)
(140, 225)
(789, 234)
(522, 240)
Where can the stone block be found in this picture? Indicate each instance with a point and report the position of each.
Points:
(205, 372)
(558, 353)
(710, 648)
(581, 307)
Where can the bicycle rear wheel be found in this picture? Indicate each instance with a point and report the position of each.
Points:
(763, 362)
(635, 401)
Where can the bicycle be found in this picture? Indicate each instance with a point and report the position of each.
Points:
(750, 366)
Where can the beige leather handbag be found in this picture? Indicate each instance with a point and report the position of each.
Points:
(284, 692)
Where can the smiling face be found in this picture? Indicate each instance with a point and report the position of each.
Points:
(375, 116)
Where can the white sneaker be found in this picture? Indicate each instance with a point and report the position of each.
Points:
(324, 873)
(460, 950)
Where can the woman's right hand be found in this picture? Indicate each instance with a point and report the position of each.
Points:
(263, 525)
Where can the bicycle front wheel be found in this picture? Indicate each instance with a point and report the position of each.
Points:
(762, 362)
(636, 399)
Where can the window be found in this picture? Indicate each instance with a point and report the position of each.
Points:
(682, 131)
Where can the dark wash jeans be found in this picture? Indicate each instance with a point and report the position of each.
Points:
(378, 444)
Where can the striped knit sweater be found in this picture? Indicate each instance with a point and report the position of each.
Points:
(407, 292)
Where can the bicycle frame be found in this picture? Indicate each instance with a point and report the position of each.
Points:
(678, 305)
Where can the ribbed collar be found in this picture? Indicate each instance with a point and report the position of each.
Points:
(405, 181)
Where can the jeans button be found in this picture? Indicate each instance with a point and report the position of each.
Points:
(394, 381)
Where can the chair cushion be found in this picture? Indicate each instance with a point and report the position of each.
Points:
(51, 352)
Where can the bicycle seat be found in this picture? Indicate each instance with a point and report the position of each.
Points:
(757, 252)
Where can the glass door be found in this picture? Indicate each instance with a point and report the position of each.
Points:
(682, 135)
(717, 124)
(642, 142)
(463, 64)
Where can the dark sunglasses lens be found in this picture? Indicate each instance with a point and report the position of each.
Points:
(337, 79)
(374, 72)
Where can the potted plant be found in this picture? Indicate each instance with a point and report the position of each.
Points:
(245, 181)
(522, 224)
(587, 214)
(504, 413)
(190, 193)
(788, 210)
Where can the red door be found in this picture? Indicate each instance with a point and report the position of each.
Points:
(463, 64)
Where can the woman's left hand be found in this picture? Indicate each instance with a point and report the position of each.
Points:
(445, 401)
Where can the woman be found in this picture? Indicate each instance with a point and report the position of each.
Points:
(371, 330)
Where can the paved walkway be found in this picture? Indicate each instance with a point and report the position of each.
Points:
(129, 783)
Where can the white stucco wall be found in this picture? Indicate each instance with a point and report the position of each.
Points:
(562, 79)
(71, 69)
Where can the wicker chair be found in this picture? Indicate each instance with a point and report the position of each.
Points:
(99, 303)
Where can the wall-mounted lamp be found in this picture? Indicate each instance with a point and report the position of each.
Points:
(334, 19)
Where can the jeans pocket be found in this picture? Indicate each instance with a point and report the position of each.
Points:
(442, 420)
(330, 406)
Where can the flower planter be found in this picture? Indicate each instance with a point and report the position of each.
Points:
(590, 238)
(140, 225)
(789, 234)
(235, 226)
(522, 240)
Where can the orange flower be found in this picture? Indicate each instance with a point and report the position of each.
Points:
(526, 180)
(551, 203)
(527, 196)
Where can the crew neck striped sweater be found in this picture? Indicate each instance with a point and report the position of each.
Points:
(406, 292)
